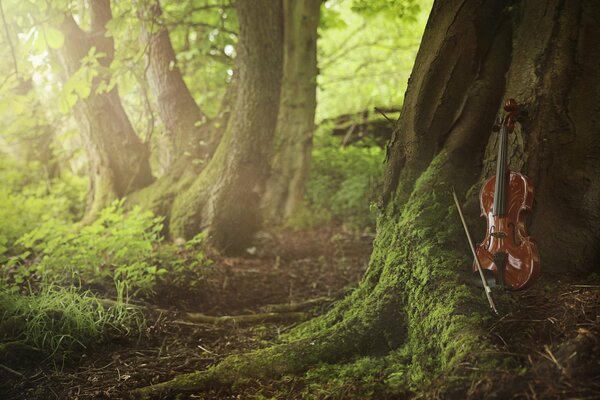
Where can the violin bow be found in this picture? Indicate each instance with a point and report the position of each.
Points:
(488, 290)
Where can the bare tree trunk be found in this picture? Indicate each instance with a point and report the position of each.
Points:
(412, 316)
(180, 114)
(296, 118)
(118, 160)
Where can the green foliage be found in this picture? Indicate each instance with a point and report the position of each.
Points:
(185, 263)
(366, 51)
(79, 85)
(204, 36)
(28, 199)
(393, 9)
(117, 246)
(56, 321)
(344, 182)
(120, 248)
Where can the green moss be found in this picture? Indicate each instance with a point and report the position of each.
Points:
(413, 294)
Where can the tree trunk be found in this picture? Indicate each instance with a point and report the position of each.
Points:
(160, 196)
(296, 118)
(177, 109)
(118, 160)
(412, 317)
(37, 142)
(225, 197)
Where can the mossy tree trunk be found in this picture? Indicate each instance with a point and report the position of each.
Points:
(224, 199)
(413, 317)
(118, 160)
(296, 118)
(238, 167)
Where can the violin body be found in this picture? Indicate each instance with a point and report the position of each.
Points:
(507, 234)
(506, 198)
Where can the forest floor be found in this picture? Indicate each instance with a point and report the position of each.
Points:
(552, 331)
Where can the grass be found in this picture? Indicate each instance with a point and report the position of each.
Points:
(57, 321)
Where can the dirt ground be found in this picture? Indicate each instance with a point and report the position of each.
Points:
(553, 335)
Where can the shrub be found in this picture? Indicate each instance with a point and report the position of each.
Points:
(344, 182)
(118, 247)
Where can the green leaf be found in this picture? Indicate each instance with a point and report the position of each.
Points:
(54, 38)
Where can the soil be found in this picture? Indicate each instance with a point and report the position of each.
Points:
(552, 331)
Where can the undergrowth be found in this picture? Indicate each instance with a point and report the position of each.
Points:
(343, 182)
(55, 272)
(121, 250)
(28, 198)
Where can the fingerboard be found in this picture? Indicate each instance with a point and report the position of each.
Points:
(501, 174)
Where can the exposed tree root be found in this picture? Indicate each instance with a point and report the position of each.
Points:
(331, 345)
(295, 307)
(196, 317)
(247, 318)
(412, 307)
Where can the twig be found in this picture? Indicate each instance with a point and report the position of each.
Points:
(380, 111)
(553, 359)
(10, 43)
(207, 351)
(12, 371)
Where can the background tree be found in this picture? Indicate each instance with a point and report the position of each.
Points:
(296, 117)
(412, 316)
(225, 198)
(38, 145)
(179, 112)
(118, 160)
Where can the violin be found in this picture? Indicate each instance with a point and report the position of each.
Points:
(507, 251)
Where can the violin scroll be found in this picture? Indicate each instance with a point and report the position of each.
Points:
(512, 109)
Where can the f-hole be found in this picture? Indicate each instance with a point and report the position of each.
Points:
(514, 232)
(492, 230)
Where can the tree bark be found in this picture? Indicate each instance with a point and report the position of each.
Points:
(178, 110)
(225, 197)
(118, 160)
(413, 317)
(296, 118)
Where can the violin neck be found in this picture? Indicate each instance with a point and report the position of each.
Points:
(501, 174)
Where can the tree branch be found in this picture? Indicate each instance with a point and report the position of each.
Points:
(9, 40)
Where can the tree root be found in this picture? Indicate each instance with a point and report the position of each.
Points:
(332, 345)
(271, 317)
(295, 307)
(195, 317)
